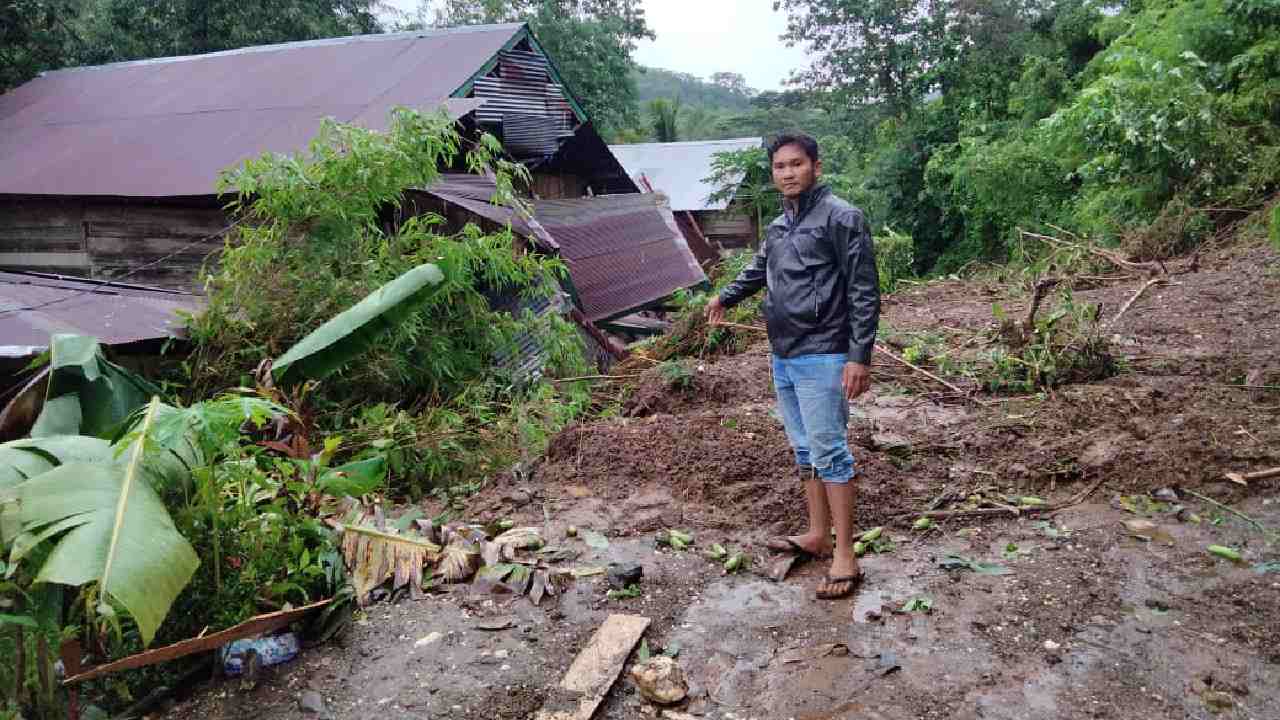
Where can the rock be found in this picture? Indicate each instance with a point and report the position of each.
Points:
(428, 639)
(1168, 495)
(312, 702)
(622, 575)
(660, 680)
(891, 442)
(1051, 645)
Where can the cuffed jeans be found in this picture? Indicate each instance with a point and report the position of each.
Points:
(815, 413)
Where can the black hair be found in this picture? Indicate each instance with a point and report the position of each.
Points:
(804, 140)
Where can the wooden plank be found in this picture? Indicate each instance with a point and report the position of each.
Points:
(596, 668)
(253, 626)
(44, 259)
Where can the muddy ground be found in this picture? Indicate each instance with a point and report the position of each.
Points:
(1088, 621)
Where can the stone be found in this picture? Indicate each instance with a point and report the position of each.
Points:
(312, 702)
(660, 680)
(622, 575)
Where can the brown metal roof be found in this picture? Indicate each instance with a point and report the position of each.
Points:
(34, 306)
(167, 127)
(623, 251)
(474, 193)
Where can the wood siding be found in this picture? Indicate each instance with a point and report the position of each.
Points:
(142, 244)
(730, 228)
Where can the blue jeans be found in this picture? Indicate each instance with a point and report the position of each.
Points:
(815, 413)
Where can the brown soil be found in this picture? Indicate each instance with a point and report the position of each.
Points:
(1088, 623)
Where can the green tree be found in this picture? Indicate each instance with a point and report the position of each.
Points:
(35, 35)
(664, 115)
(590, 42)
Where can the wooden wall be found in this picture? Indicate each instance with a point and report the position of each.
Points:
(557, 186)
(730, 228)
(139, 243)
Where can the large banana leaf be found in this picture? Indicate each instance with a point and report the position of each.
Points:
(353, 332)
(24, 459)
(87, 395)
(108, 527)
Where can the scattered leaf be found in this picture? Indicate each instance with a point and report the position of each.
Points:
(1267, 567)
(872, 534)
(1225, 553)
(631, 591)
(957, 562)
(923, 523)
(672, 650)
(495, 624)
(918, 604)
(736, 562)
(586, 571)
(594, 539)
(642, 655)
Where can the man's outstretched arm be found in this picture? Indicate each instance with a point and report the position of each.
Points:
(748, 283)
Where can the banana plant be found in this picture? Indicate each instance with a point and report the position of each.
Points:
(108, 527)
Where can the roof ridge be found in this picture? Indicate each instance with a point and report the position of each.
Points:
(723, 141)
(319, 42)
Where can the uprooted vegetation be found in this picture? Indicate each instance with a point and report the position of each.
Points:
(187, 508)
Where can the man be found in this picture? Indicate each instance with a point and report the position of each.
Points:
(821, 309)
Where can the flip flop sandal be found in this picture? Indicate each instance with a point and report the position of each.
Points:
(850, 583)
(787, 545)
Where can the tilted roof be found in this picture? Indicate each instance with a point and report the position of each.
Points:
(679, 169)
(167, 127)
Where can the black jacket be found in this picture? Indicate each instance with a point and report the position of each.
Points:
(820, 271)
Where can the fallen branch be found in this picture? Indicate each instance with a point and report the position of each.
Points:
(739, 326)
(920, 370)
(1244, 478)
(1222, 506)
(1125, 308)
(1010, 510)
(594, 377)
(1043, 286)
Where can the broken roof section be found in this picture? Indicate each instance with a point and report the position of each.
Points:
(167, 127)
(35, 306)
(679, 169)
(624, 252)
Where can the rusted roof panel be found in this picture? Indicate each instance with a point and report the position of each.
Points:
(623, 251)
(167, 127)
(34, 306)
(474, 193)
(679, 169)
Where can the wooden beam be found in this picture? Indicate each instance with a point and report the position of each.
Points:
(596, 668)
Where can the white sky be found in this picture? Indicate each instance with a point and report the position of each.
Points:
(701, 37)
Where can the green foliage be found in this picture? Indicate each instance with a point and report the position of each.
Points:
(314, 244)
(664, 115)
(895, 258)
(1065, 345)
(676, 374)
(87, 394)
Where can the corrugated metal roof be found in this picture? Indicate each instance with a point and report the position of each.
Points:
(167, 127)
(678, 169)
(623, 251)
(474, 194)
(114, 313)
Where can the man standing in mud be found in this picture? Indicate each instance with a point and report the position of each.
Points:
(822, 307)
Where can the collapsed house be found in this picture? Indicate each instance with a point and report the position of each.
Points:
(681, 171)
(109, 173)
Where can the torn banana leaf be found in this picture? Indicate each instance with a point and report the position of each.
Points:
(458, 561)
(375, 556)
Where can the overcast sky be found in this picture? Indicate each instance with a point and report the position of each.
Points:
(706, 36)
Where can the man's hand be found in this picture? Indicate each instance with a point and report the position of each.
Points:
(715, 311)
(857, 379)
